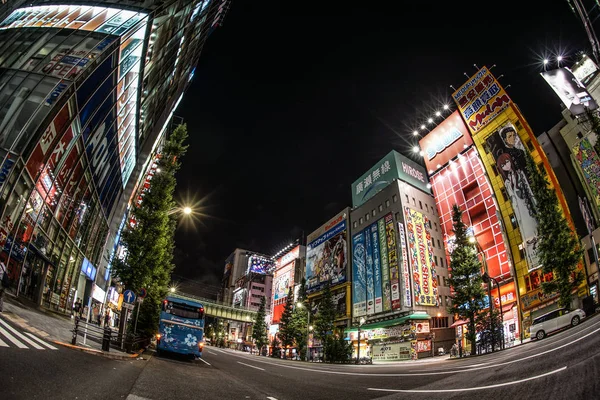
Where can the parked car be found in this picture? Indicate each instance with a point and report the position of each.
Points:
(555, 320)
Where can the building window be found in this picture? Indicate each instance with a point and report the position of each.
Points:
(426, 207)
(439, 245)
(367, 217)
(405, 195)
(387, 203)
(513, 221)
(448, 301)
(420, 205)
(414, 203)
(435, 224)
(397, 216)
(433, 243)
(395, 198)
(373, 212)
(439, 322)
(504, 194)
(380, 207)
(435, 260)
(494, 170)
(360, 221)
(355, 224)
(579, 135)
(542, 169)
(522, 251)
(530, 145)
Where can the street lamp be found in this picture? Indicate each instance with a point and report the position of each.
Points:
(172, 289)
(360, 324)
(488, 279)
(184, 210)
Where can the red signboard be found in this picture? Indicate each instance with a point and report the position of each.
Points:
(445, 142)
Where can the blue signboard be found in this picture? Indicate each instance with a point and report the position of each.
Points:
(376, 269)
(128, 296)
(359, 278)
(88, 269)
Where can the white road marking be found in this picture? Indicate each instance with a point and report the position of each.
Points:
(205, 362)
(12, 338)
(210, 352)
(471, 388)
(2, 344)
(134, 397)
(251, 366)
(271, 398)
(41, 341)
(21, 336)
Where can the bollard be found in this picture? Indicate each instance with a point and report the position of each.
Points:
(106, 339)
(74, 339)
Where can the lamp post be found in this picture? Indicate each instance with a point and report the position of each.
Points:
(360, 324)
(184, 210)
(488, 279)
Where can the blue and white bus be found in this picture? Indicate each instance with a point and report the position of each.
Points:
(181, 327)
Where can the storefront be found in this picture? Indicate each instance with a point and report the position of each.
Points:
(406, 338)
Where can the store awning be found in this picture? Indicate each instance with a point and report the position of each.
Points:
(459, 322)
(508, 307)
(391, 322)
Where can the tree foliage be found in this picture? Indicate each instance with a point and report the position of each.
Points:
(324, 320)
(300, 321)
(559, 249)
(259, 331)
(465, 278)
(149, 244)
(286, 332)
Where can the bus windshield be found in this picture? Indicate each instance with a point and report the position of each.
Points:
(183, 310)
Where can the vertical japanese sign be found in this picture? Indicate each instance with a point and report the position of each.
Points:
(393, 261)
(370, 274)
(385, 267)
(406, 284)
(481, 99)
(421, 257)
(377, 281)
(359, 275)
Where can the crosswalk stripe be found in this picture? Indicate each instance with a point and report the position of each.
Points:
(2, 344)
(41, 341)
(12, 338)
(21, 336)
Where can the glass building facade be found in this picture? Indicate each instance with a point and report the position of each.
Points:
(86, 94)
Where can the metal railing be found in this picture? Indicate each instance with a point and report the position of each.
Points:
(105, 337)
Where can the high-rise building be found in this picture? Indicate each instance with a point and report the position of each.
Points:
(86, 95)
(400, 286)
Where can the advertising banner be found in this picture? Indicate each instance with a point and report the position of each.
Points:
(393, 166)
(283, 280)
(376, 269)
(585, 70)
(406, 283)
(385, 267)
(510, 156)
(326, 256)
(572, 93)
(260, 265)
(338, 298)
(481, 99)
(423, 346)
(391, 352)
(393, 261)
(359, 275)
(421, 258)
(370, 274)
(445, 141)
(589, 163)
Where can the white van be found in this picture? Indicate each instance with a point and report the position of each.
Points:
(555, 320)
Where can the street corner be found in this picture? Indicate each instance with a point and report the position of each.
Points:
(22, 323)
(139, 355)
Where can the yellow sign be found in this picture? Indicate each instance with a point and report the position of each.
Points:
(481, 99)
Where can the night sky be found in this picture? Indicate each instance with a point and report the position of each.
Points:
(292, 102)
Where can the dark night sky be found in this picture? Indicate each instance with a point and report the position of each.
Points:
(292, 102)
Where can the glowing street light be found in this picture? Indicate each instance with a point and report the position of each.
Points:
(559, 58)
(184, 210)
(437, 113)
(430, 120)
(172, 289)
(446, 106)
(416, 149)
(546, 61)
(415, 133)
(187, 210)
(422, 126)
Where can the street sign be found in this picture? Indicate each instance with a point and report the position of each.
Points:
(140, 300)
(143, 293)
(129, 296)
(128, 306)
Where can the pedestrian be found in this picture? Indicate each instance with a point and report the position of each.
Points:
(4, 283)
(99, 316)
(77, 308)
(107, 319)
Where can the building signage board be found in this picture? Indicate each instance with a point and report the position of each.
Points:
(392, 166)
(445, 141)
(589, 164)
(481, 99)
(421, 258)
(327, 254)
(573, 93)
(406, 280)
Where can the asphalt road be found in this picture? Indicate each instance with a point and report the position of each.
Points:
(565, 365)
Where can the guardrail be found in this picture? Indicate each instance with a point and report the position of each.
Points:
(106, 337)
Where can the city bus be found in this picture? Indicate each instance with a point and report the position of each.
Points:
(181, 327)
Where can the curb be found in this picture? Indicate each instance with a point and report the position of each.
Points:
(101, 353)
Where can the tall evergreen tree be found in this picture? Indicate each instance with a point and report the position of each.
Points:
(286, 326)
(324, 319)
(149, 244)
(259, 331)
(559, 249)
(300, 321)
(465, 278)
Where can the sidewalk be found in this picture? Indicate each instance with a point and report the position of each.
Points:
(52, 327)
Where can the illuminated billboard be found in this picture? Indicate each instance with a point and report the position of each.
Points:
(444, 142)
(375, 269)
(327, 254)
(425, 291)
(572, 92)
(585, 70)
(589, 163)
(481, 99)
(509, 154)
(260, 265)
(393, 166)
